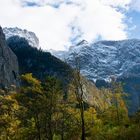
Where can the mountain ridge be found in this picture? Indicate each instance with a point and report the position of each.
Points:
(114, 56)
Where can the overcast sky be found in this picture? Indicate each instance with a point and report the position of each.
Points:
(61, 23)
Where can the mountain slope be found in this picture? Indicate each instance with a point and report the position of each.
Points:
(42, 64)
(103, 59)
(38, 62)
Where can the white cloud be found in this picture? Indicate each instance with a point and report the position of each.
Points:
(120, 3)
(90, 19)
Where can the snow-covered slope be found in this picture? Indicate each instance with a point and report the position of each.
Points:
(104, 59)
(29, 36)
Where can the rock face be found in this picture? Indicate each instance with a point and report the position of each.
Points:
(28, 35)
(8, 64)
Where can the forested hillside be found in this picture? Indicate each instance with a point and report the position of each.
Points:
(38, 62)
(38, 111)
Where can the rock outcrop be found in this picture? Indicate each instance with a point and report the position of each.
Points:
(8, 64)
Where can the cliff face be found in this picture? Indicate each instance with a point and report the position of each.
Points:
(8, 64)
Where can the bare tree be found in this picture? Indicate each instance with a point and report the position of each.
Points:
(78, 85)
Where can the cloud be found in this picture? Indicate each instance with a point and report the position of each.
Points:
(116, 3)
(59, 22)
(135, 5)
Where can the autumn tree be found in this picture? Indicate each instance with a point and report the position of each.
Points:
(118, 101)
(9, 123)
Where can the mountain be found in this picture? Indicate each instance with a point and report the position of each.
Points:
(101, 60)
(104, 59)
(28, 35)
(8, 64)
(36, 61)
(42, 64)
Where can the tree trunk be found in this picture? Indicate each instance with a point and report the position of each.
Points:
(38, 127)
(50, 128)
(82, 122)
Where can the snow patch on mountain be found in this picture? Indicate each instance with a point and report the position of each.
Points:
(104, 59)
(28, 35)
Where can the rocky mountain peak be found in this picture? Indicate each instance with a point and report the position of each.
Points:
(83, 42)
(28, 35)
